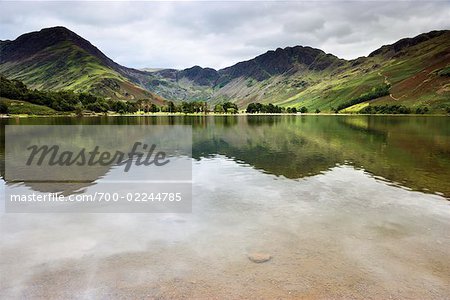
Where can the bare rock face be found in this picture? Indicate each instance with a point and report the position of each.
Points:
(259, 257)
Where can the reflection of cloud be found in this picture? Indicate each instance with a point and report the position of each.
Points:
(218, 34)
(338, 218)
(73, 159)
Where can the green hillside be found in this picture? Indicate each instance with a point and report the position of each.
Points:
(411, 74)
(416, 76)
(17, 107)
(416, 70)
(58, 59)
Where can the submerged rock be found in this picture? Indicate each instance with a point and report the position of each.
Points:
(259, 257)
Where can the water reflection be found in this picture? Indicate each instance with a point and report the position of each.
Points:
(339, 234)
(409, 151)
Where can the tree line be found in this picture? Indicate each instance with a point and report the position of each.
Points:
(254, 108)
(69, 101)
(64, 101)
(375, 93)
(393, 109)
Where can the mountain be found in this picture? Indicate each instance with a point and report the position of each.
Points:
(58, 59)
(403, 44)
(289, 60)
(413, 72)
(238, 82)
(200, 76)
(275, 75)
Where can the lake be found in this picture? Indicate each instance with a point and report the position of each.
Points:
(344, 206)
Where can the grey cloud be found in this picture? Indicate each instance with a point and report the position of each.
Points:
(218, 34)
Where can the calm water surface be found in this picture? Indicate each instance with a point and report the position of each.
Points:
(347, 206)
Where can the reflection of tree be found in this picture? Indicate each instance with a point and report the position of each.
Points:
(408, 150)
(412, 150)
(280, 150)
(113, 139)
(362, 124)
(264, 120)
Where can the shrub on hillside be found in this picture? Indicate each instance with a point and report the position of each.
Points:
(385, 109)
(3, 108)
(375, 93)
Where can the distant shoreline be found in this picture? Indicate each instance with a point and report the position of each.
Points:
(95, 115)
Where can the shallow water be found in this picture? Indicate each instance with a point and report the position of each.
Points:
(345, 205)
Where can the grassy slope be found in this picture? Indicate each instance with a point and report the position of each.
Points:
(311, 144)
(413, 74)
(66, 66)
(184, 90)
(275, 89)
(414, 78)
(18, 107)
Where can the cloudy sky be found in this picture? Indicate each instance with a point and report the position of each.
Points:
(218, 34)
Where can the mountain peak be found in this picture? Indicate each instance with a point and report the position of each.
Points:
(29, 43)
(199, 75)
(57, 58)
(59, 32)
(281, 61)
(56, 29)
(398, 46)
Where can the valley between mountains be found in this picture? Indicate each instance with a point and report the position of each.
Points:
(412, 73)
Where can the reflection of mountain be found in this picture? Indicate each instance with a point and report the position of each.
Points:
(272, 144)
(74, 140)
(399, 149)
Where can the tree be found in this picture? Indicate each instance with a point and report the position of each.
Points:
(219, 109)
(119, 106)
(303, 110)
(171, 107)
(374, 93)
(204, 107)
(269, 108)
(335, 110)
(186, 107)
(12, 89)
(252, 108)
(154, 108)
(79, 110)
(3, 108)
(230, 107)
(385, 109)
(86, 99)
(422, 110)
(132, 107)
(98, 106)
